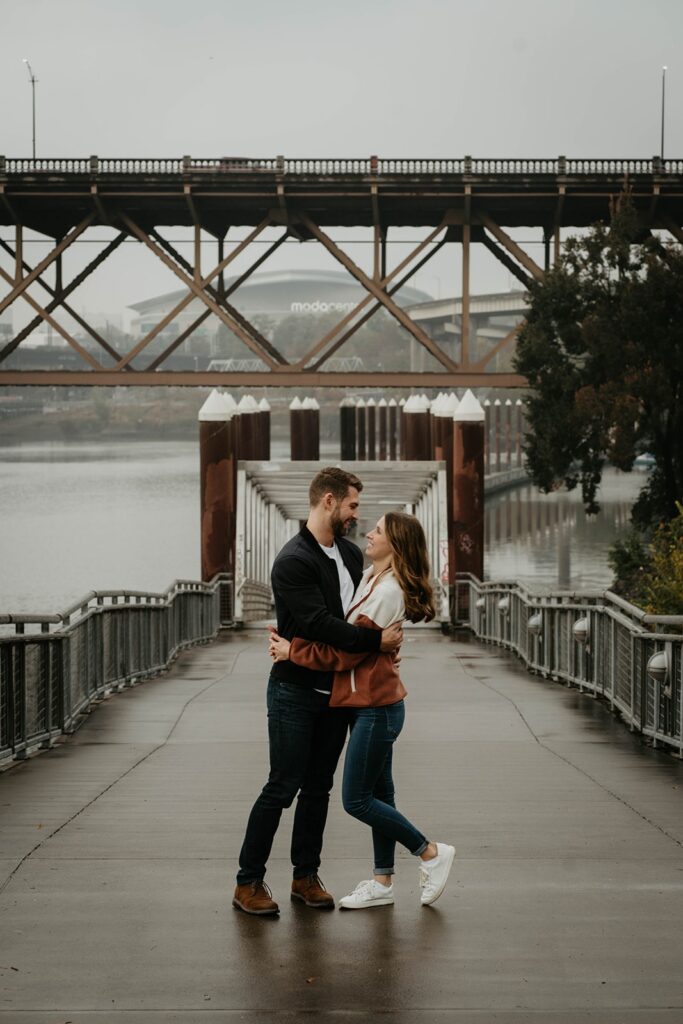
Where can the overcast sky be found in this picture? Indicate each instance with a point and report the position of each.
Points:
(308, 78)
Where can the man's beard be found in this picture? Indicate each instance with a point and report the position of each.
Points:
(339, 527)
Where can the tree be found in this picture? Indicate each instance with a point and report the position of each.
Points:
(602, 349)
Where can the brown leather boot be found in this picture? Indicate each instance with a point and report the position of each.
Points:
(255, 898)
(311, 891)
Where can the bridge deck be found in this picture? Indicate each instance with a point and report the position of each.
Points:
(564, 905)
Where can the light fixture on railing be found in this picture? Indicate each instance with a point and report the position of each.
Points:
(480, 603)
(582, 630)
(535, 624)
(504, 605)
(659, 669)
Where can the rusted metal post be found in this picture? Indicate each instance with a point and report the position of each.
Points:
(393, 429)
(497, 433)
(347, 429)
(468, 486)
(264, 429)
(217, 485)
(361, 450)
(382, 429)
(371, 412)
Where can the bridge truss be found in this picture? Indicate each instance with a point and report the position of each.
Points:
(462, 201)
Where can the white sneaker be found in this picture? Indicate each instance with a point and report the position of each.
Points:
(434, 873)
(368, 894)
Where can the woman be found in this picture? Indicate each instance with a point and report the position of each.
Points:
(394, 587)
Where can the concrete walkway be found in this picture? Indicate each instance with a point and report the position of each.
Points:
(565, 904)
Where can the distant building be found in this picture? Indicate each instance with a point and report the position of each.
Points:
(271, 297)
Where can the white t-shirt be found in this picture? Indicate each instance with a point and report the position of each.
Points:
(346, 583)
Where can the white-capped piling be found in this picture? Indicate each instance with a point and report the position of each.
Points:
(347, 429)
(401, 429)
(468, 486)
(371, 421)
(264, 429)
(416, 423)
(519, 430)
(217, 484)
(392, 429)
(248, 428)
(487, 435)
(382, 424)
(310, 413)
(361, 447)
(508, 433)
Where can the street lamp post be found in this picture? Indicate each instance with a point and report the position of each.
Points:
(661, 148)
(33, 81)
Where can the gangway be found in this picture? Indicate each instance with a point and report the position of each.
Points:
(272, 502)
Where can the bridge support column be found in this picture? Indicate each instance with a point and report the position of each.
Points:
(468, 486)
(217, 466)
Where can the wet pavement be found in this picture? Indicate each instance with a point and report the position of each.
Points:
(565, 903)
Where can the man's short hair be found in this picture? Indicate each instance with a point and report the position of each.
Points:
(332, 480)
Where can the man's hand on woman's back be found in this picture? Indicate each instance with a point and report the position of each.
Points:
(392, 637)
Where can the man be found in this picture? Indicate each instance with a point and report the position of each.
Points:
(313, 577)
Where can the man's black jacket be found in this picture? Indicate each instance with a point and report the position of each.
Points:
(308, 603)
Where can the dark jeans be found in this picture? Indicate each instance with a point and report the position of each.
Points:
(306, 738)
(368, 787)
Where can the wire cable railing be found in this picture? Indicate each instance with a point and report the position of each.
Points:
(53, 666)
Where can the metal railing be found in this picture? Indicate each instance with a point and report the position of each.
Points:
(593, 640)
(107, 640)
(548, 166)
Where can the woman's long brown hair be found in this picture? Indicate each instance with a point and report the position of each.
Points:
(411, 564)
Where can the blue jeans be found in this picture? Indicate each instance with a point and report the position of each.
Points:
(368, 787)
(306, 738)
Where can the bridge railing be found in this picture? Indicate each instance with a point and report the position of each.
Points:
(593, 640)
(363, 166)
(107, 640)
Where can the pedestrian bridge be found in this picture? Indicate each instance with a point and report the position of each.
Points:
(119, 847)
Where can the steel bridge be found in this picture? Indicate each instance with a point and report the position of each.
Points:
(461, 201)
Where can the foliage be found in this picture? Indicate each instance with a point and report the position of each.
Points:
(602, 349)
(650, 575)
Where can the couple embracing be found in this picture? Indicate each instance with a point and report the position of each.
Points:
(335, 673)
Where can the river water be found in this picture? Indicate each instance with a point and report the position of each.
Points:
(76, 517)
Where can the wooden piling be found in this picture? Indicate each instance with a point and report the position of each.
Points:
(468, 486)
(392, 428)
(347, 430)
(217, 485)
(361, 449)
(371, 420)
(416, 422)
(264, 430)
(382, 424)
